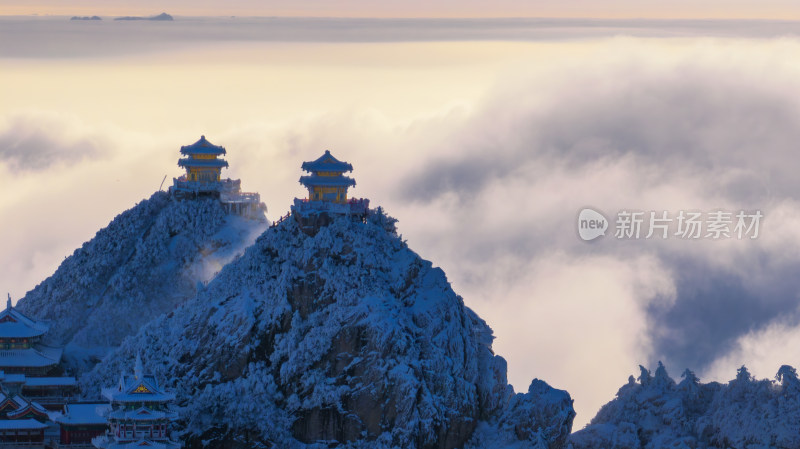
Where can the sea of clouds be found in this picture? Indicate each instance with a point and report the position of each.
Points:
(647, 116)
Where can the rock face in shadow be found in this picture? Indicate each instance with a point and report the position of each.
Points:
(342, 338)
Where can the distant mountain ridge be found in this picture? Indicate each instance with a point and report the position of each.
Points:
(161, 17)
(656, 412)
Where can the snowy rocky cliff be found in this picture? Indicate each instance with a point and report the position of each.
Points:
(345, 338)
(655, 412)
(144, 263)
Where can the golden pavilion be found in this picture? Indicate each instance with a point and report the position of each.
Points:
(327, 181)
(203, 177)
(201, 162)
(327, 193)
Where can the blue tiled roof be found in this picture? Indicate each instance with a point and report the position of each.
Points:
(327, 162)
(202, 146)
(202, 163)
(28, 358)
(327, 181)
(86, 414)
(15, 324)
(21, 424)
(50, 382)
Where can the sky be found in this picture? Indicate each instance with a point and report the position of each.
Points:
(684, 9)
(484, 137)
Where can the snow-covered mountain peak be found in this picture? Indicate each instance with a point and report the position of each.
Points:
(145, 262)
(346, 336)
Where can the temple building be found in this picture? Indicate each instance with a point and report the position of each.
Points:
(17, 407)
(326, 181)
(327, 192)
(27, 397)
(22, 422)
(27, 433)
(139, 416)
(203, 177)
(201, 162)
(52, 392)
(21, 350)
(81, 422)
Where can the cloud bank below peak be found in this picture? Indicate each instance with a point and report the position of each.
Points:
(703, 131)
(36, 142)
(491, 193)
(494, 198)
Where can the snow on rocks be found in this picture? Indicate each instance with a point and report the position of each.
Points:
(144, 263)
(655, 412)
(346, 338)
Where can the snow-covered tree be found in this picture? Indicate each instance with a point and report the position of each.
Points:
(745, 413)
(148, 260)
(345, 335)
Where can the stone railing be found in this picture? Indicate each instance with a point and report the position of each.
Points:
(21, 444)
(240, 197)
(182, 185)
(355, 206)
(57, 445)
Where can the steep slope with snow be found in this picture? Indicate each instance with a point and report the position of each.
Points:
(145, 262)
(345, 337)
(655, 412)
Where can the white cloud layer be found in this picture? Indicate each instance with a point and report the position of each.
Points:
(487, 185)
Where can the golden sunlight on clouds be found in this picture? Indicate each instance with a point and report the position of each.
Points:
(214, 88)
(517, 116)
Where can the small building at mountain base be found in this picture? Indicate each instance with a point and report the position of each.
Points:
(21, 348)
(81, 422)
(139, 415)
(51, 392)
(17, 407)
(22, 422)
(27, 433)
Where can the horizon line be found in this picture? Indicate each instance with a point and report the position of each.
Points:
(453, 18)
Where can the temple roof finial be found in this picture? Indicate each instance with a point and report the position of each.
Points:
(8, 303)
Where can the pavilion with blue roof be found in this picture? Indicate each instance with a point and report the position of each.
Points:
(203, 178)
(327, 194)
(201, 162)
(21, 351)
(326, 181)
